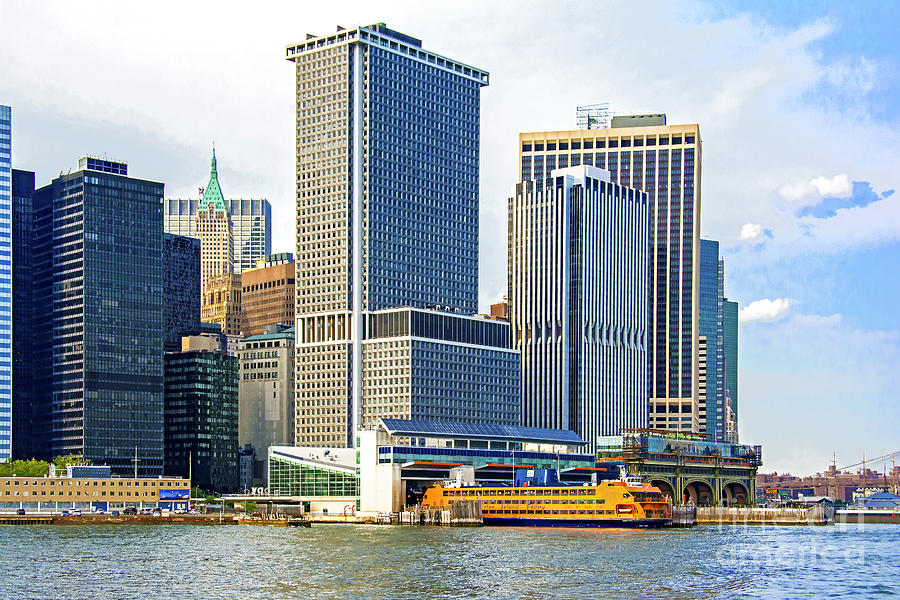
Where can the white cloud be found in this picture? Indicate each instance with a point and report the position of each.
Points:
(838, 186)
(765, 310)
(750, 232)
(811, 193)
(798, 194)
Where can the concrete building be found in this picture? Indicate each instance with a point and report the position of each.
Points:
(222, 303)
(201, 418)
(266, 395)
(387, 204)
(578, 301)
(181, 257)
(416, 364)
(644, 153)
(267, 295)
(99, 324)
(249, 220)
(6, 285)
(23, 421)
(92, 488)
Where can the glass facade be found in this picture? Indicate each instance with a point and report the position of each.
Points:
(664, 161)
(426, 365)
(22, 234)
(98, 328)
(578, 304)
(182, 289)
(6, 284)
(201, 418)
(730, 352)
(712, 328)
(289, 477)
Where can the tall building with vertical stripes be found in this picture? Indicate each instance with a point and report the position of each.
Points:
(578, 301)
(6, 284)
(643, 152)
(387, 206)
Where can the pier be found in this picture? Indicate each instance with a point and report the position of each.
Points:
(818, 515)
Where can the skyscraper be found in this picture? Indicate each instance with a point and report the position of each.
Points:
(387, 202)
(730, 353)
(201, 418)
(214, 231)
(222, 303)
(249, 219)
(643, 152)
(712, 325)
(98, 327)
(23, 275)
(578, 301)
(181, 257)
(6, 284)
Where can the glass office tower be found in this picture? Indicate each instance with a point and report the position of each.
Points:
(6, 284)
(730, 346)
(182, 288)
(22, 231)
(712, 331)
(578, 301)
(99, 325)
(643, 152)
(387, 203)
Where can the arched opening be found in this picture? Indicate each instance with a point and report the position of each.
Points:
(735, 493)
(698, 493)
(665, 488)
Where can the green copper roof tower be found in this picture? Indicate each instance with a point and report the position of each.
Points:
(213, 193)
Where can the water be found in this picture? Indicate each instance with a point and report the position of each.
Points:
(345, 561)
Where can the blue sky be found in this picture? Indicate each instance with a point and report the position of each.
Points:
(797, 104)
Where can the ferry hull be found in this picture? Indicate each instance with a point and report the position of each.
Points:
(621, 523)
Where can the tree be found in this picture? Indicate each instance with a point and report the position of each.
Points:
(66, 460)
(24, 468)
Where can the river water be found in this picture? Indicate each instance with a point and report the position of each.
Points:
(346, 561)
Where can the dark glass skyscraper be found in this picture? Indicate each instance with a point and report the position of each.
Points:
(201, 418)
(181, 258)
(387, 203)
(98, 335)
(22, 233)
(6, 284)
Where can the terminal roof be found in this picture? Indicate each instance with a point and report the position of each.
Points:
(452, 429)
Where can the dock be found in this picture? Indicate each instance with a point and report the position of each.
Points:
(465, 513)
(717, 515)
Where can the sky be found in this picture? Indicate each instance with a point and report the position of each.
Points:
(798, 105)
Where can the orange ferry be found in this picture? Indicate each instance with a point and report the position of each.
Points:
(540, 499)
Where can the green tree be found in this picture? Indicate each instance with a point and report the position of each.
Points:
(24, 468)
(66, 460)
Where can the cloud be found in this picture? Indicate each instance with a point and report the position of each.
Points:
(812, 192)
(765, 310)
(750, 232)
(838, 186)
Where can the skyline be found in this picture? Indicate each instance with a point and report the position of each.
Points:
(820, 211)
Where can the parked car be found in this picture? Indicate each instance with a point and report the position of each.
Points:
(65, 513)
(115, 513)
(20, 511)
(75, 512)
(129, 510)
(147, 511)
(100, 512)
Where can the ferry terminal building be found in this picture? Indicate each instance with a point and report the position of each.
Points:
(399, 459)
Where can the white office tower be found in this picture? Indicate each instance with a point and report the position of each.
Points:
(579, 299)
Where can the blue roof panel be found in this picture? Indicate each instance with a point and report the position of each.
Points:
(434, 428)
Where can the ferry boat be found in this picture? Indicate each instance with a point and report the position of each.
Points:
(538, 498)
